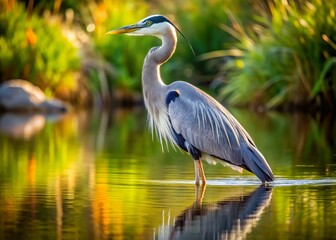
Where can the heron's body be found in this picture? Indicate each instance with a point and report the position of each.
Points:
(188, 117)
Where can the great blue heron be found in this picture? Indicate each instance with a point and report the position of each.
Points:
(186, 116)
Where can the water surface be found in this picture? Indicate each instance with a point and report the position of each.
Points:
(93, 175)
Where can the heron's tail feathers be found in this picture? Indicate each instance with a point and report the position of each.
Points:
(255, 162)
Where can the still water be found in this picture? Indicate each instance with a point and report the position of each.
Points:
(99, 175)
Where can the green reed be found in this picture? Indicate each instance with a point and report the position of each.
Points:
(285, 57)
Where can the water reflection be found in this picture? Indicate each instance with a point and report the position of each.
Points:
(231, 218)
(93, 175)
(25, 125)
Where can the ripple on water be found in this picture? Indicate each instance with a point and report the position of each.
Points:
(252, 182)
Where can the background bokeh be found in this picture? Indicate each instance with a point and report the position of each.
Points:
(264, 54)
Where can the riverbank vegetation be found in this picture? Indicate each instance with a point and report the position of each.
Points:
(286, 58)
(265, 54)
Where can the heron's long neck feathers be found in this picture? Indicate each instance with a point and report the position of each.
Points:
(153, 87)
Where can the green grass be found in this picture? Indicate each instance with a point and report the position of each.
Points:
(285, 57)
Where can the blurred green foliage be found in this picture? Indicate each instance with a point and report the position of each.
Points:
(35, 49)
(125, 54)
(269, 53)
(287, 55)
(200, 24)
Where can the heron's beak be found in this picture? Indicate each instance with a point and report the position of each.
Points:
(126, 29)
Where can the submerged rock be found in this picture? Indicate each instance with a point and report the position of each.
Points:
(21, 95)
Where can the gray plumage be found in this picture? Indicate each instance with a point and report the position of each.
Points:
(186, 116)
(209, 127)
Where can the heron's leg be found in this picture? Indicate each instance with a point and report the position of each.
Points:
(202, 172)
(197, 172)
(199, 193)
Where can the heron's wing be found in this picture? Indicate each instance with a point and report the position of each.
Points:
(207, 125)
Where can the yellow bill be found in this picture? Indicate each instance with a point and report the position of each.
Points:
(126, 29)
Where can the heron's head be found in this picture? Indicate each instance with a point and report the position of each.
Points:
(155, 25)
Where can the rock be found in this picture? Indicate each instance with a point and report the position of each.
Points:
(21, 95)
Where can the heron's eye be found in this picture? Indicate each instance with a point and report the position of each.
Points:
(149, 23)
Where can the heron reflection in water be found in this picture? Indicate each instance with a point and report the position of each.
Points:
(231, 218)
(186, 116)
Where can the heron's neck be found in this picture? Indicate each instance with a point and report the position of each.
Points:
(152, 83)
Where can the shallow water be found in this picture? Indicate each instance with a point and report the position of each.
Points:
(93, 175)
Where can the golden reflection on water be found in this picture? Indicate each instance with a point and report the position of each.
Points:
(88, 175)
